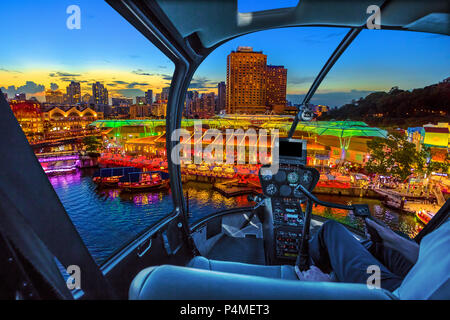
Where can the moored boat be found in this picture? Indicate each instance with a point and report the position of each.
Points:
(424, 216)
(144, 181)
(106, 181)
(109, 177)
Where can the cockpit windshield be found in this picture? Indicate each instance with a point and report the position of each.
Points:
(348, 122)
(234, 136)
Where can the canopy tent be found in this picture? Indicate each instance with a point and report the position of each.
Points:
(343, 130)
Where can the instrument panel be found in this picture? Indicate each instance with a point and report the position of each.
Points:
(283, 183)
(288, 216)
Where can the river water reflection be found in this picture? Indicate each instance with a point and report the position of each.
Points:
(107, 220)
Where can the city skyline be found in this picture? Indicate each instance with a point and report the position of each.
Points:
(109, 50)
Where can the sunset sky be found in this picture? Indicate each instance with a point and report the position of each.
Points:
(39, 52)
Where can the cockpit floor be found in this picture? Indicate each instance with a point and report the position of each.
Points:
(246, 250)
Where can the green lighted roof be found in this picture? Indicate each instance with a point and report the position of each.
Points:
(330, 128)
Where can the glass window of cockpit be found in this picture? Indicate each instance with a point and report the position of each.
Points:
(395, 81)
(76, 69)
(250, 83)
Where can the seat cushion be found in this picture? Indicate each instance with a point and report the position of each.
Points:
(180, 283)
(277, 272)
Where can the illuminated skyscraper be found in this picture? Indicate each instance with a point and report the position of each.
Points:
(246, 81)
(149, 97)
(86, 98)
(276, 86)
(221, 96)
(207, 105)
(74, 93)
(100, 94)
(140, 100)
(165, 93)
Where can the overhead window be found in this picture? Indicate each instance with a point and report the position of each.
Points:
(245, 6)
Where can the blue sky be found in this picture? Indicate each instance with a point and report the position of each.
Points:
(39, 50)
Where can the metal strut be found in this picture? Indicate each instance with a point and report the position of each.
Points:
(348, 39)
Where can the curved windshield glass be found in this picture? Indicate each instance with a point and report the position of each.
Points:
(246, 89)
(387, 128)
(82, 83)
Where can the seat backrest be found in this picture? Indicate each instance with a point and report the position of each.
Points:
(175, 283)
(429, 278)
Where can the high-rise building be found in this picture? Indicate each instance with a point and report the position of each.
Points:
(158, 97)
(100, 94)
(6, 96)
(276, 86)
(188, 104)
(207, 105)
(193, 103)
(149, 97)
(165, 93)
(221, 97)
(74, 93)
(140, 100)
(54, 97)
(246, 81)
(86, 99)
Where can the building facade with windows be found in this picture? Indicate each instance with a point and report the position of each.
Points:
(73, 93)
(99, 94)
(246, 81)
(276, 87)
(221, 97)
(149, 97)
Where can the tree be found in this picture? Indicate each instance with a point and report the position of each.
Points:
(394, 156)
(92, 143)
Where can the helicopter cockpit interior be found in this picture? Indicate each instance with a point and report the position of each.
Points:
(252, 252)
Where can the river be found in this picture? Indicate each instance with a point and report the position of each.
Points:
(107, 220)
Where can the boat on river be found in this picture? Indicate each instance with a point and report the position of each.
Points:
(109, 177)
(144, 181)
(424, 216)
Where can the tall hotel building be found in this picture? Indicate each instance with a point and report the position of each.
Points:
(246, 81)
(276, 87)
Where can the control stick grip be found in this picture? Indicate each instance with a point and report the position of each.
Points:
(254, 198)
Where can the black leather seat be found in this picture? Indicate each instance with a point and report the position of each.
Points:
(202, 281)
(277, 272)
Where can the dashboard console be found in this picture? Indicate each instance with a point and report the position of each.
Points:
(286, 200)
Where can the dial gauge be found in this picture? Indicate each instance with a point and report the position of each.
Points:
(285, 190)
(292, 177)
(280, 176)
(266, 174)
(298, 193)
(306, 178)
(271, 189)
